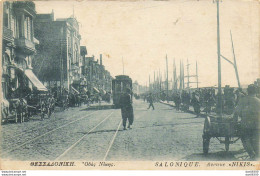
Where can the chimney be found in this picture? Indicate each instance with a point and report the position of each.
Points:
(100, 59)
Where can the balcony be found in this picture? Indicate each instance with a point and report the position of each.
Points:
(26, 45)
(27, 7)
(24, 4)
(8, 34)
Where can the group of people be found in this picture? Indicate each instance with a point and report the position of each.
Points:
(243, 104)
(76, 99)
(206, 100)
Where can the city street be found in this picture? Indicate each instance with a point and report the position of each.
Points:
(94, 134)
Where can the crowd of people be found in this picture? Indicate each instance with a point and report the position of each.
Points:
(24, 103)
(241, 105)
(201, 99)
(77, 98)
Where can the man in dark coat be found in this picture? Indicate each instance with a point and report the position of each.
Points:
(150, 101)
(127, 108)
(248, 110)
(195, 103)
(177, 100)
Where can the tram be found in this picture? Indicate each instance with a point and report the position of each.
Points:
(119, 84)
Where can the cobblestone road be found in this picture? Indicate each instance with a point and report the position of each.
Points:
(97, 134)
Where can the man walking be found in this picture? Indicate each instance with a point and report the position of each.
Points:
(127, 108)
(196, 104)
(177, 100)
(248, 110)
(150, 101)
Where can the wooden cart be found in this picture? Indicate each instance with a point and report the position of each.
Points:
(39, 104)
(225, 129)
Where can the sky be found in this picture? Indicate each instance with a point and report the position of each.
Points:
(141, 33)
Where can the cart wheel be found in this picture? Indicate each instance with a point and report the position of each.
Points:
(227, 142)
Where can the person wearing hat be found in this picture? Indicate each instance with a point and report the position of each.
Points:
(177, 100)
(195, 103)
(248, 110)
(150, 101)
(127, 108)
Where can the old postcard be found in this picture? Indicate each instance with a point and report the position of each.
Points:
(115, 85)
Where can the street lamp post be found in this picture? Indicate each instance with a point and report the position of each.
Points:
(219, 64)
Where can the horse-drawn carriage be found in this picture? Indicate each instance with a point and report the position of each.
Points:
(14, 110)
(63, 101)
(41, 103)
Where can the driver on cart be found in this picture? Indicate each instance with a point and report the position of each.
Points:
(248, 110)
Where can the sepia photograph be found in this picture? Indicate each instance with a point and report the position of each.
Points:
(130, 84)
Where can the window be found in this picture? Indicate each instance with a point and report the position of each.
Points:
(19, 28)
(6, 20)
(5, 63)
(6, 15)
(28, 28)
(118, 86)
(76, 54)
(25, 29)
(29, 24)
(13, 24)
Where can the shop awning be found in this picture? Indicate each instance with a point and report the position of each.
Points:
(34, 80)
(95, 89)
(75, 90)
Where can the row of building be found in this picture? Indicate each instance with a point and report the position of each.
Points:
(40, 52)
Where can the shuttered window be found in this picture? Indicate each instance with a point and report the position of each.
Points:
(28, 28)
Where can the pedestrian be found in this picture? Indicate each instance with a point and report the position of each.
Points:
(127, 108)
(248, 110)
(196, 104)
(239, 94)
(144, 97)
(150, 101)
(177, 101)
(229, 101)
(99, 99)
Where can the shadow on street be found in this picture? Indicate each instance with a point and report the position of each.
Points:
(97, 107)
(101, 131)
(217, 156)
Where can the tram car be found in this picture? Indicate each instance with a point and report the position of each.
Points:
(119, 84)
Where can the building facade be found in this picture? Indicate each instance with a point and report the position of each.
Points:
(98, 78)
(18, 49)
(58, 58)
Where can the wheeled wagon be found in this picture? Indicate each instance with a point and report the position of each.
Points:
(225, 130)
(39, 104)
